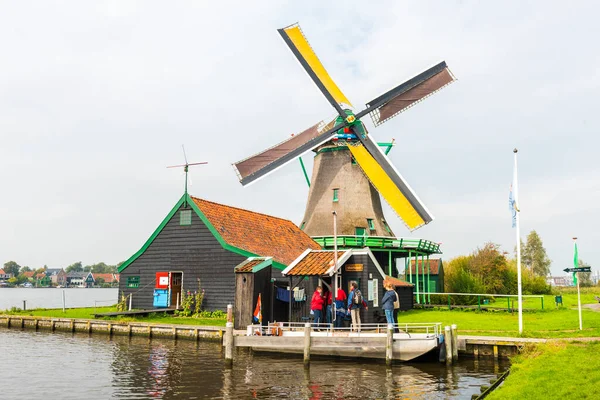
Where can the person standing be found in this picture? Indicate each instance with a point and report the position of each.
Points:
(355, 303)
(340, 307)
(387, 303)
(329, 307)
(316, 305)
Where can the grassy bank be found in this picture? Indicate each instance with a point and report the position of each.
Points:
(539, 324)
(555, 370)
(88, 313)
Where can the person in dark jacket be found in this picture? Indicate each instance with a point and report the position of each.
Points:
(340, 307)
(387, 303)
(316, 304)
(353, 307)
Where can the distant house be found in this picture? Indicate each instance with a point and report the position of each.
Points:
(42, 279)
(58, 276)
(29, 275)
(200, 242)
(432, 268)
(112, 279)
(80, 279)
(4, 276)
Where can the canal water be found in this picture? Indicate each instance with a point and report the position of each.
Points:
(53, 297)
(44, 365)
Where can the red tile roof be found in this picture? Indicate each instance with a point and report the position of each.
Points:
(257, 233)
(108, 278)
(434, 266)
(396, 282)
(249, 265)
(41, 275)
(314, 263)
(2, 271)
(28, 274)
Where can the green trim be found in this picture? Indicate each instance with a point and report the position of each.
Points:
(262, 265)
(302, 226)
(186, 198)
(154, 234)
(336, 195)
(304, 170)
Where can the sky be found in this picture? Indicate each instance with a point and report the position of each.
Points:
(96, 99)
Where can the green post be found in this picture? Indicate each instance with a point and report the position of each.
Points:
(508, 303)
(417, 277)
(542, 302)
(390, 263)
(479, 302)
(304, 170)
(428, 281)
(449, 306)
(409, 267)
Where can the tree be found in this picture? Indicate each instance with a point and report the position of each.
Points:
(25, 269)
(12, 267)
(585, 278)
(75, 267)
(490, 266)
(102, 268)
(534, 255)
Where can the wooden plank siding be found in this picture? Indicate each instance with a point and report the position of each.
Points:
(192, 250)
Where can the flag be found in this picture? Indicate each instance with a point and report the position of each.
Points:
(512, 206)
(575, 264)
(257, 318)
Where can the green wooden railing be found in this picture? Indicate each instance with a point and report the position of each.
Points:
(379, 242)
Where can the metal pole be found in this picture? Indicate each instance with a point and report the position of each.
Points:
(409, 267)
(428, 280)
(130, 297)
(579, 302)
(335, 268)
(63, 301)
(519, 286)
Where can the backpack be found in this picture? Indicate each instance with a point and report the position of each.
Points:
(358, 297)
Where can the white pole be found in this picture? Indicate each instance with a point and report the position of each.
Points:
(578, 293)
(335, 261)
(63, 301)
(579, 302)
(519, 288)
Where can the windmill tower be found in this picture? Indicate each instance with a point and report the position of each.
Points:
(350, 170)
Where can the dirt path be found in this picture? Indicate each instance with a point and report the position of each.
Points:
(593, 307)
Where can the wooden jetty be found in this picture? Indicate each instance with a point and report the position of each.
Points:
(403, 342)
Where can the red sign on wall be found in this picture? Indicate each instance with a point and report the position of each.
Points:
(162, 280)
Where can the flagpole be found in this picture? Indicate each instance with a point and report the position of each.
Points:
(519, 288)
(576, 259)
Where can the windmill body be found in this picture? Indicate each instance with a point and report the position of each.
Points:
(350, 170)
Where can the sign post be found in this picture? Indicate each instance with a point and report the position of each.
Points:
(576, 270)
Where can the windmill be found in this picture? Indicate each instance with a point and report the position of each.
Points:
(186, 167)
(349, 167)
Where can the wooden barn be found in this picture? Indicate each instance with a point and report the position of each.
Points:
(198, 245)
(430, 275)
(316, 268)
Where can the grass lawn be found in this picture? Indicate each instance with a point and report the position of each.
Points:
(538, 324)
(88, 313)
(555, 370)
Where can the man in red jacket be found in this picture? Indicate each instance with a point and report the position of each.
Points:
(316, 304)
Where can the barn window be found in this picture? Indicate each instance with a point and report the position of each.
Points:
(185, 217)
(335, 195)
(371, 224)
(133, 281)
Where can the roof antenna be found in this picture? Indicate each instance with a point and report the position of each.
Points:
(185, 168)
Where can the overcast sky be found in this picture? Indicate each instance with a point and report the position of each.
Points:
(96, 99)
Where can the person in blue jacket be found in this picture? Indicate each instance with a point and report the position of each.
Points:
(387, 303)
(355, 303)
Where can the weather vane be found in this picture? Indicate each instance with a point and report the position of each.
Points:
(186, 167)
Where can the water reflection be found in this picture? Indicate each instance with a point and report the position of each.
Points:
(138, 368)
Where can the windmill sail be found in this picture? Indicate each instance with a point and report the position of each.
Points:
(258, 165)
(406, 95)
(390, 184)
(295, 39)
